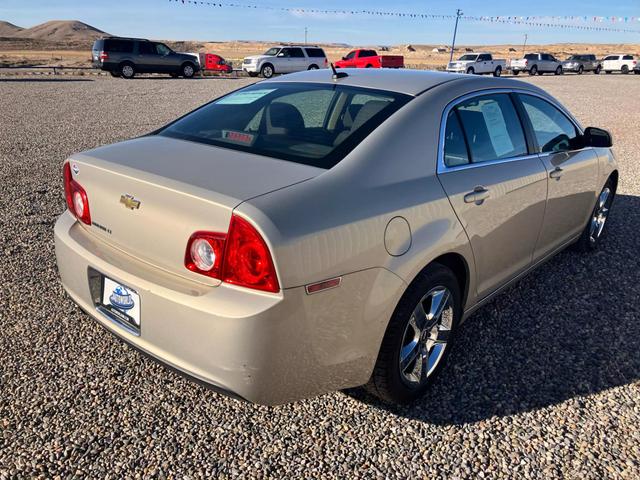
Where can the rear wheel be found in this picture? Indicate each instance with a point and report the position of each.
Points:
(624, 70)
(580, 70)
(516, 72)
(127, 70)
(595, 229)
(497, 72)
(559, 70)
(418, 337)
(533, 70)
(598, 70)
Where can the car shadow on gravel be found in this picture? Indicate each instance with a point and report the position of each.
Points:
(568, 330)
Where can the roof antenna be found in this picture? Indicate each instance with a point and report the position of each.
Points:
(336, 74)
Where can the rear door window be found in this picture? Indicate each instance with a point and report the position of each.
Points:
(553, 131)
(628, 57)
(313, 124)
(146, 48)
(296, 53)
(492, 128)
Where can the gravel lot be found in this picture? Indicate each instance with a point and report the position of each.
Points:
(542, 383)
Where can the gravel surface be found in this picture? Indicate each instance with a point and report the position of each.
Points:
(542, 383)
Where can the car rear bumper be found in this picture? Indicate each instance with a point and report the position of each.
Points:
(265, 348)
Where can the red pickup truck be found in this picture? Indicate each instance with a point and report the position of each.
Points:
(362, 58)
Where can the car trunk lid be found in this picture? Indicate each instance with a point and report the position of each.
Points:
(147, 196)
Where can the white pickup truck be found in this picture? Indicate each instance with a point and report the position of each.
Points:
(536, 63)
(477, 63)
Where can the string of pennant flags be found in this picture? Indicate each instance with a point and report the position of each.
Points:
(583, 22)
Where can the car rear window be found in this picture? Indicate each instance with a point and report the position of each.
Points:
(315, 52)
(312, 124)
(118, 46)
(531, 56)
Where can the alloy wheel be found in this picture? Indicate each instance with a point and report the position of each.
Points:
(426, 336)
(127, 71)
(600, 215)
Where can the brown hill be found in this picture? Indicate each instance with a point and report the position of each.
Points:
(62, 31)
(9, 29)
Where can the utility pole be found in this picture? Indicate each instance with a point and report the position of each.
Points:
(306, 30)
(455, 31)
(524, 45)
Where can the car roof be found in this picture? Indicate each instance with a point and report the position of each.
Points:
(407, 81)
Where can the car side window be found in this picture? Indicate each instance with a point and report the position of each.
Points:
(297, 53)
(455, 145)
(554, 132)
(492, 128)
(162, 49)
(285, 52)
(628, 57)
(146, 48)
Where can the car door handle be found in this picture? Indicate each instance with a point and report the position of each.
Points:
(557, 173)
(478, 196)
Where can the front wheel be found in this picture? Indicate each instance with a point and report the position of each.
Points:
(188, 70)
(580, 70)
(516, 72)
(595, 229)
(598, 70)
(534, 70)
(497, 72)
(624, 70)
(418, 337)
(267, 71)
(313, 67)
(558, 70)
(470, 71)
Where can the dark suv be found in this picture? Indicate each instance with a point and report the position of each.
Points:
(124, 57)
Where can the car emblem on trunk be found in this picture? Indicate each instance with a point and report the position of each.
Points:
(121, 298)
(129, 201)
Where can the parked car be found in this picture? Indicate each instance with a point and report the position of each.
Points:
(478, 63)
(363, 58)
(285, 256)
(582, 63)
(285, 59)
(623, 63)
(536, 63)
(126, 57)
(215, 63)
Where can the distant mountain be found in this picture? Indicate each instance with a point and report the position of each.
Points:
(9, 29)
(61, 30)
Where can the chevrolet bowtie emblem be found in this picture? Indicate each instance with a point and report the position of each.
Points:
(129, 202)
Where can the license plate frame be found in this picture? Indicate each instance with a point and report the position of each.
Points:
(121, 304)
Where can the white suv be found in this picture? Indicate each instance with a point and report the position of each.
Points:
(285, 59)
(622, 63)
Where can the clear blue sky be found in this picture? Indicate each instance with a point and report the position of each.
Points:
(161, 19)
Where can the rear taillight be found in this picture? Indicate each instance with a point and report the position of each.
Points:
(77, 200)
(104, 56)
(241, 257)
(526, 62)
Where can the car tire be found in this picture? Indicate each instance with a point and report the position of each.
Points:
(580, 70)
(470, 71)
(188, 70)
(597, 70)
(413, 351)
(516, 72)
(558, 70)
(127, 70)
(313, 67)
(624, 70)
(497, 72)
(533, 70)
(595, 229)
(267, 71)
(115, 73)
(369, 66)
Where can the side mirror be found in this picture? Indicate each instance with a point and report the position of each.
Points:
(597, 137)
